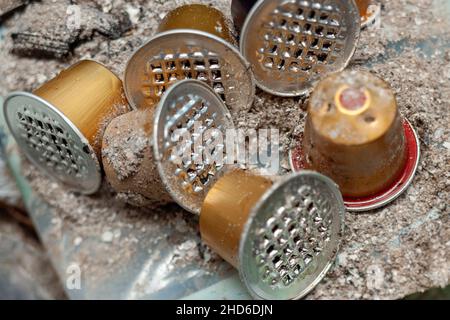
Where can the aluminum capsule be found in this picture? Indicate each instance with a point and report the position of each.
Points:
(282, 236)
(192, 42)
(139, 147)
(355, 134)
(292, 44)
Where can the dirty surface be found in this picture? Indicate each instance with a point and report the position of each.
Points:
(25, 270)
(54, 35)
(386, 254)
(128, 160)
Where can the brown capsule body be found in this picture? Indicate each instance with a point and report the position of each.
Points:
(226, 209)
(128, 159)
(354, 133)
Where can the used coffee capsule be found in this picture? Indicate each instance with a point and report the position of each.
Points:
(282, 237)
(292, 44)
(355, 134)
(193, 42)
(145, 158)
(60, 125)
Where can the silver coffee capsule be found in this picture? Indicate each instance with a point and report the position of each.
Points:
(176, 138)
(193, 42)
(282, 237)
(182, 108)
(292, 44)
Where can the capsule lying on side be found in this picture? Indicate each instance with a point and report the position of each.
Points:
(60, 125)
(355, 134)
(282, 236)
(290, 45)
(145, 158)
(193, 42)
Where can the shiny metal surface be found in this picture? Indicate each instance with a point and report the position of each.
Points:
(194, 42)
(226, 209)
(198, 17)
(147, 274)
(192, 108)
(89, 95)
(292, 44)
(175, 143)
(292, 237)
(52, 142)
(59, 127)
(282, 237)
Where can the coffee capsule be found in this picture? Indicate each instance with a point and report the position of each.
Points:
(60, 125)
(292, 44)
(159, 154)
(193, 42)
(282, 236)
(355, 134)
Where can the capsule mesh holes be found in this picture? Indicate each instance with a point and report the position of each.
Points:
(54, 146)
(195, 63)
(301, 38)
(193, 115)
(287, 242)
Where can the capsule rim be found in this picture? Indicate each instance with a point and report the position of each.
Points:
(228, 46)
(256, 211)
(95, 176)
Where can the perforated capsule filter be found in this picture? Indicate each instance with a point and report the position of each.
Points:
(282, 237)
(173, 152)
(191, 107)
(292, 44)
(190, 110)
(193, 43)
(59, 126)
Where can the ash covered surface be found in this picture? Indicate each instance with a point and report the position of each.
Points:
(25, 270)
(387, 254)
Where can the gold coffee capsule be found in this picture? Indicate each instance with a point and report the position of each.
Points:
(355, 134)
(193, 42)
(199, 17)
(145, 160)
(282, 236)
(60, 126)
(292, 44)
